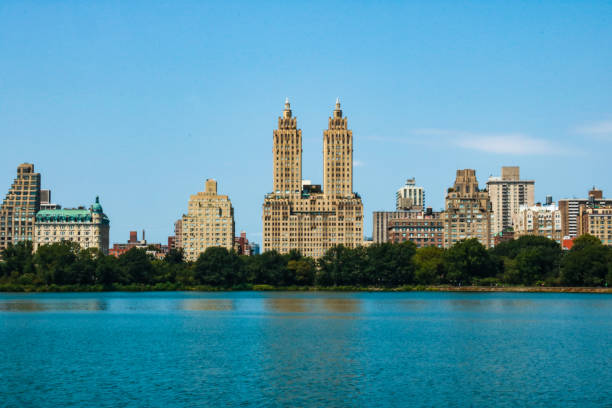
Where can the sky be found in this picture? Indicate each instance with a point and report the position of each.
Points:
(140, 102)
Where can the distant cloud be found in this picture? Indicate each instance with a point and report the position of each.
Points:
(500, 143)
(358, 163)
(601, 129)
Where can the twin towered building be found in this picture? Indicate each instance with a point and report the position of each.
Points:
(301, 216)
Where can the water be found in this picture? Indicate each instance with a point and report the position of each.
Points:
(305, 349)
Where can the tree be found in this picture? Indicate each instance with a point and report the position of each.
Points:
(54, 262)
(218, 267)
(466, 260)
(391, 264)
(135, 267)
(429, 263)
(587, 263)
(17, 259)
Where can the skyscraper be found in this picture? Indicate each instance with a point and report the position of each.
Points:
(209, 222)
(467, 212)
(508, 193)
(300, 215)
(19, 208)
(410, 197)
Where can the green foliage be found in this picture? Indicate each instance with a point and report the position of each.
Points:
(588, 263)
(526, 261)
(466, 260)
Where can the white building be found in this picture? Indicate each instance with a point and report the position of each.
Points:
(410, 197)
(507, 194)
(541, 220)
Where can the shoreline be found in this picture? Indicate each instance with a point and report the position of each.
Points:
(9, 288)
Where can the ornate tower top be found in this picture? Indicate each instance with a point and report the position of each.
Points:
(287, 121)
(287, 110)
(336, 121)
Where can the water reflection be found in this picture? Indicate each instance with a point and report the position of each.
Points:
(312, 305)
(213, 305)
(53, 306)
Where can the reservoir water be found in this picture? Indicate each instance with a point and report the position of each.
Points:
(254, 349)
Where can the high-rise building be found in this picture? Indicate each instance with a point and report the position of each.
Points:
(381, 221)
(596, 220)
(507, 194)
(570, 210)
(45, 201)
(208, 223)
(178, 234)
(410, 197)
(467, 211)
(19, 208)
(541, 220)
(88, 227)
(302, 216)
(426, 229)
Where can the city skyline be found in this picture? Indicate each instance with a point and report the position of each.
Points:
(426, 92)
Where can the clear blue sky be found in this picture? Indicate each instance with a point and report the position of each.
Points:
(140, 102)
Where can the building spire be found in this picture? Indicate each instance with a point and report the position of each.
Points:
(338, 111)
(287, 110)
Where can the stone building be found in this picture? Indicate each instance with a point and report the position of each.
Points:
(426, 229)
(467, 211)
(208, 223)
(540, 220)
(507, 194)
(410, 197)
(19, 208)
(381, 220)
(570, 210)
(87, 227)
(302, 216)
(596, 220)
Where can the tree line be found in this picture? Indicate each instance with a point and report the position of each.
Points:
(529, 260)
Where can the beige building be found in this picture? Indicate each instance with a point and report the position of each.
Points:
(302, 216)
(508, 193)
(178, 234)
(19, 208)
(87, 227)
(208, 223)
(570, 210)
(596, 220)
(382, 219)
(467, 211)
(541, 220)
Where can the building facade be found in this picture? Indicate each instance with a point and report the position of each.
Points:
(208, 223)
(87, 227)
(507, 194)
(381, 220)
(540, 220)
(425, 230)
(467, 211)
(570, 210)
(19, 208)
(410, 197)
(302, 216)
(596, 220)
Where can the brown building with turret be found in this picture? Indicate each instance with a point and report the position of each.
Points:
(467, 212)
(302, 216)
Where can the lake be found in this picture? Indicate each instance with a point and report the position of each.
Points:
(253, 349)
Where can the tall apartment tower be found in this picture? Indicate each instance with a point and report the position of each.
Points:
(337, 156)
(410, 197)
(209, 222)
(467, 211)
(287, 154)
(19, 208)
(299, 215)
(570, 210)
(508, 193)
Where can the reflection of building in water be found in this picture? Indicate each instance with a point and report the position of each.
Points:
(286, 305)
(341, 305)
(208, 304)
